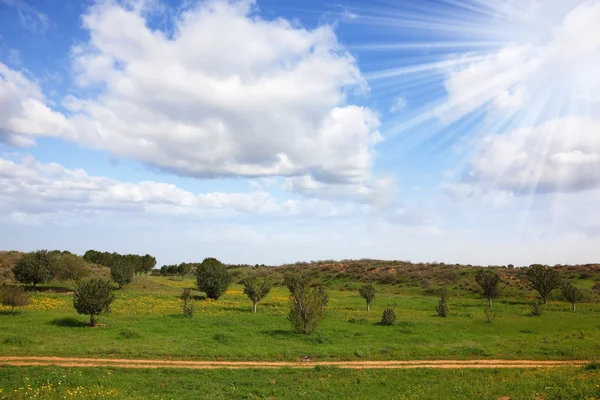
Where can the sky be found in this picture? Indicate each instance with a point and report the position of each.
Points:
(267, 131)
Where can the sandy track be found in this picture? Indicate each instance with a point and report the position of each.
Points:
(126, 363)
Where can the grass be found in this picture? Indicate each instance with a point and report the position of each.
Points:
(318, 383)
(146, 321)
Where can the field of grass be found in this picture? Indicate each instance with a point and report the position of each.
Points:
(146, 322)
(318, 383)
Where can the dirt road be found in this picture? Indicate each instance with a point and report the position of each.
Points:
(126, 363)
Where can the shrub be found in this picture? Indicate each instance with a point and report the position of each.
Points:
(222, 337)
(389, 316)
(442, 307)
(70, 267)
(490, 315)
(14, 296)
(93, 297)
(536, 309)
(571, 294)
(307, 303)
(34, 268)
(368, 292)
(256, 290)
(122, 273)
(129, 334)
(212, 278)
(488, 280)
(188, 302)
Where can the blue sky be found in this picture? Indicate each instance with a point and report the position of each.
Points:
(270, 132)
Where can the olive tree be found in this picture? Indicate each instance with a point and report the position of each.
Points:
(34, 268)
(122, 273)
(543, 280)
(212, 278)
(367, 292)
(14, 296)
(571, 294)
(256, 290)
(70, 267)
(307, 302)
(92, 297)
(489, 281)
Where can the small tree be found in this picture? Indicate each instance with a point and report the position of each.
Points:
(442, 307)
(367, 292)
(571, 294)
(122, 273)
(14, 296)
(188, 302)
(212, 278)
(93, 297)
(147, 263)
(256, 290)
(543, 280)
(389, 316)
(183, 269)
(70, 267)
(489, 281)
(307, 303)
(34, 268)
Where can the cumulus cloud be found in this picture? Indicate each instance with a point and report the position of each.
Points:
(227, 94)
(23, 111)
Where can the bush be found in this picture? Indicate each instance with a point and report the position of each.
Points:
(122, 273)
(490, 315)
(14, 296)
(188, 302)
(93, 297)
(571, 294)
(129, 334)
(70, 267)
(389, 316)
(212, 278)
(442, 307)
(34, 268)
(307, 303)
(536, 309)
(367, 292)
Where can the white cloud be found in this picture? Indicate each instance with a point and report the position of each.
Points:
(30, 17)
(23, 111)
(229, 94)
(398, 105)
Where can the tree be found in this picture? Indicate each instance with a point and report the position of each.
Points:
(489, 281)
(212, 278)
(14, 296)
(34, 268)
(256, 290)
(188, 302)
(69, 267)
(122, 273)
(442, 307)
(367, 292)
(543, 280)
(307, 303)
(571, 294)
(93, 297)
(148, 262)
(183, 269)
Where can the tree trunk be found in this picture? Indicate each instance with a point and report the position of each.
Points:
(368, 306)
(489, 302)
(254, 310)
(544, 298)
(573, 306)
(92, 320)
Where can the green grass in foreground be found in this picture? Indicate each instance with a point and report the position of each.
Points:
(319, 383)
(146, 322)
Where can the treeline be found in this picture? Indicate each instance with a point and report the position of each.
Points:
(181, 270)
(139, 264)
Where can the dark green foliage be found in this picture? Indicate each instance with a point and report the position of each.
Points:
(122, 273)
(34, 268)
(212, 278)
(256, 290)
(188, 302)
(543, 280)
(488, 280)
(442, 307)
(389, 316)
(571, 294)
(92, 297)
(147, 263)
(367, 292)
(307, 303)
(139, 264)
(14, 296)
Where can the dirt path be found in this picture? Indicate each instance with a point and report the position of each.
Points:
(125, 363)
